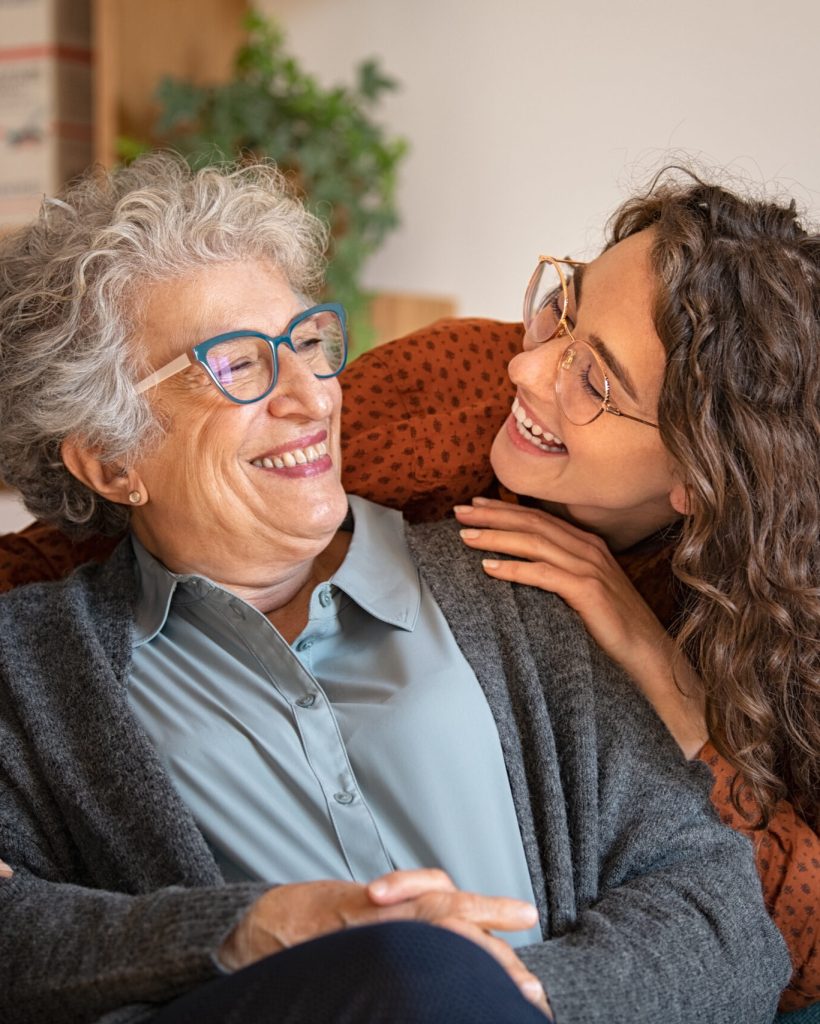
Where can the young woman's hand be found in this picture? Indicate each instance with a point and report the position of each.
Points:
(554, 555)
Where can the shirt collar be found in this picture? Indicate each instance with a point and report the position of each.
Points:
(156, 586)
(377, 573)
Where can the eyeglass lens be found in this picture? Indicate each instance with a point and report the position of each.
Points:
(580, 385)
(545, 302)
(244, 366)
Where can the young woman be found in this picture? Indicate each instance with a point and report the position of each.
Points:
(667, 400)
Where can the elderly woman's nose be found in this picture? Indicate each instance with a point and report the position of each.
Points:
(297, 385)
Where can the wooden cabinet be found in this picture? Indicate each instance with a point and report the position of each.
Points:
(137, 42)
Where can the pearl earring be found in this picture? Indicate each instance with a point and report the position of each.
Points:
(135, 497)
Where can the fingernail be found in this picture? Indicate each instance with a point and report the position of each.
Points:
(481, 501)
(533, 990)
(463, 509)
(490, 563)
(6, 872)
(378, 888)
(470, 534)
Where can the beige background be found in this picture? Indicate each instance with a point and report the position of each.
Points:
(529, 120)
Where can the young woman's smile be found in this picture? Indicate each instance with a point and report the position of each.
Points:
(611, 475)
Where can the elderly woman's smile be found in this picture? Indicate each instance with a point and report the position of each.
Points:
(244, 487)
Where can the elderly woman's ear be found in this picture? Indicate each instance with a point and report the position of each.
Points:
(117, 484)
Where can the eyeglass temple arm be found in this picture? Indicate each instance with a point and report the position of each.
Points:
(556, 259)
(164, 372)
(608, 407)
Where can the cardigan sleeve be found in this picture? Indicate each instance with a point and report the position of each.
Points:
(105, 951)
(99, 916)
(676, 930)
(787, 854)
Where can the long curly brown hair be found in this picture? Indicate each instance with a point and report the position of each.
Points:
(738, 311)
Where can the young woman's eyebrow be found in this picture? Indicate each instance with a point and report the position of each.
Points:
(620, 371)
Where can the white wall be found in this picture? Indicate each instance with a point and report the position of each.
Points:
(529, 120)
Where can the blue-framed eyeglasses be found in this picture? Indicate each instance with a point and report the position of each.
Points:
(244, 364)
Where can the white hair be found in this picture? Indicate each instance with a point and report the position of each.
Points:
(68, 287)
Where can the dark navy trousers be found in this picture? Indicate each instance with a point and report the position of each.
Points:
(395, 973)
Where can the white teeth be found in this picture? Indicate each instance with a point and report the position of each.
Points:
(542, 443)
(295, 457)
(533, 431)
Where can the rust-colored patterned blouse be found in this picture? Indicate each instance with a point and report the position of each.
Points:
(419, 417)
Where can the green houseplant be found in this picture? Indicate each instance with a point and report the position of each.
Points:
(342, 160)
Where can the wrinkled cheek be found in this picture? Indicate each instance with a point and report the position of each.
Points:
(187, 465)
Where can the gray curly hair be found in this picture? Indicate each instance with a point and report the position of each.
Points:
(69, 284)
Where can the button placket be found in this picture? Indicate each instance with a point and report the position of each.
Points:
(288, 668)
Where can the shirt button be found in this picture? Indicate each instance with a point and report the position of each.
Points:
(305, 645)
(325, 597)
(307, 701)
(343, 798)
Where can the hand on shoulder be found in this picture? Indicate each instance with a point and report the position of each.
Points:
(549, 553)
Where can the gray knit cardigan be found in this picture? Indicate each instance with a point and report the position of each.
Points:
(651, 909)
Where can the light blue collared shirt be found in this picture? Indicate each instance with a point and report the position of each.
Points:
(366, 745)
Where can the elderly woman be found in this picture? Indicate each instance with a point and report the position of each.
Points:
(271, 715)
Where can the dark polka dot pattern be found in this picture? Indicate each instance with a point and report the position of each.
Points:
(420, 414)
(788, 861)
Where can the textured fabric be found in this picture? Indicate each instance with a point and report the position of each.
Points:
(350, 785)
(651, 909)
(420, 414)
(787, 853)
(398, 973)
(808, 1015)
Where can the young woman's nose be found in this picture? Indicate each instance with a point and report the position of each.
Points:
(535, 369)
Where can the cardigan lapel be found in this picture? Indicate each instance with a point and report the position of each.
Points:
(131, 831)
(486, 625)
